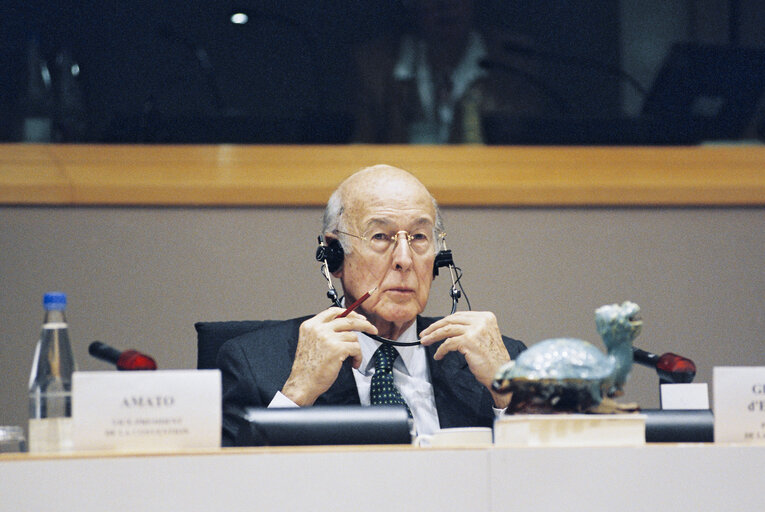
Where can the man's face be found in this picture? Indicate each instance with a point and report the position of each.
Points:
(402, 275)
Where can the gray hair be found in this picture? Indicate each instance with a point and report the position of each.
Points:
(332, 220)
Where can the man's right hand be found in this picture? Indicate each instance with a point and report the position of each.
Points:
(325, 342)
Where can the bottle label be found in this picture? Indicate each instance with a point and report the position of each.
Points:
(55, 325)
(50, 435)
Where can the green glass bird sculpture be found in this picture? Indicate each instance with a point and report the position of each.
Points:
(572, 375)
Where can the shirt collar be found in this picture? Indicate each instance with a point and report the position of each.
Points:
(406, 354)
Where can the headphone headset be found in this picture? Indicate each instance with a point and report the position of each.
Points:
(330, 254)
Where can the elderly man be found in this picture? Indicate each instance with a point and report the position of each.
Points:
(388, 224)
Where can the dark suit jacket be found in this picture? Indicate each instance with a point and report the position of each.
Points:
(256, 365)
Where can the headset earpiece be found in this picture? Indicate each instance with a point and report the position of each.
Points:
(443, 259)
(330, 252)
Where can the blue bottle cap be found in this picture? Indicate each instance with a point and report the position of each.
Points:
(54, 301)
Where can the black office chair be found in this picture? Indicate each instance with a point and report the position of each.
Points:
(212, 335)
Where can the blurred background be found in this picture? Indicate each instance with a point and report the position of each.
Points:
(558, 71)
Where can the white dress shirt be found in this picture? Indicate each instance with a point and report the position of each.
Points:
(410, 375)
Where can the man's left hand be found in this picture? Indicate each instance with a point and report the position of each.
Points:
(475, 335)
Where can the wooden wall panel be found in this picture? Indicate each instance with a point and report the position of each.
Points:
(229, 175)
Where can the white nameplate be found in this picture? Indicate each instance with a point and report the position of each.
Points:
(165, 410)
(685, 396)
(739, 404)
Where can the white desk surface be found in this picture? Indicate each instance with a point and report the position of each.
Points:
(673, 477)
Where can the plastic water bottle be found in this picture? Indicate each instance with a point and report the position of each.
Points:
(50, 382)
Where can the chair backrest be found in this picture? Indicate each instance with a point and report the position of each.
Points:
(212, 335)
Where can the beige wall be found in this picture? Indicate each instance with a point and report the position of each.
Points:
(140, 278)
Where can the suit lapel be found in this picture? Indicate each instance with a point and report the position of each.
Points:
(460, 399)
(457, 394)
(343, 391)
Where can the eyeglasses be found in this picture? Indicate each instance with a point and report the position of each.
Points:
(381, 242)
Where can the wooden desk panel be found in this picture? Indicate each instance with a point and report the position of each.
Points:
(228, 175)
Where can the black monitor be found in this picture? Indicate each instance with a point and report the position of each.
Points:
(322, 425)
(357, 425)
(679, 426)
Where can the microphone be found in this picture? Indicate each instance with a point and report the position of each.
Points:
(444, 259)
(127, 360)
(672, 368)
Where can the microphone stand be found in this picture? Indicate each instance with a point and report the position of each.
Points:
(569, 60)
(671, 368)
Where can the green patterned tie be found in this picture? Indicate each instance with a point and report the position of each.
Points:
(383, 391)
